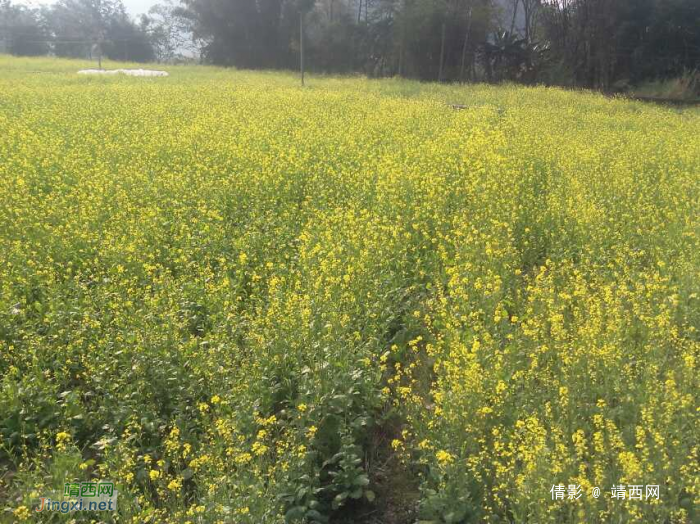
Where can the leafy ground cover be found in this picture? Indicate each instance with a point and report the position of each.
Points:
(246, 301)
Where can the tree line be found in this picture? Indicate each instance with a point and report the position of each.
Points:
(74, 28)
(589, 43)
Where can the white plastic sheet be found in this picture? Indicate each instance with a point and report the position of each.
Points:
(129, 72)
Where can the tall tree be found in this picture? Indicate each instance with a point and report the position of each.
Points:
(80, 26)
(23, 30)
(170, 32)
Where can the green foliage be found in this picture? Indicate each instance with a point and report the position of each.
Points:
(684, 87)
(248, 302)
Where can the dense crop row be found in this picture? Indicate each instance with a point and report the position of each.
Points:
(242, 300)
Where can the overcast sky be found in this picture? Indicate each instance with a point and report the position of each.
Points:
(134, 7)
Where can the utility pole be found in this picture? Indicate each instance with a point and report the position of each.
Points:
(442, 52)
(301, 45)
(97, 47)
(402, 42)
(464, 46)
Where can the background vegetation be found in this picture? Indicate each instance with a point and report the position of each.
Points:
(601, 44)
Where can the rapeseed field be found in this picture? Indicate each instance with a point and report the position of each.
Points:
(243, 301)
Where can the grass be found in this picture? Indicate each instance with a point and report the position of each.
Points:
(683, 88)
(246, 301)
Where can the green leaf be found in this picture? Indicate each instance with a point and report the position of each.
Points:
(361, 480)
(295, 514)
(187, 473)
(315, 516)
(339, 500)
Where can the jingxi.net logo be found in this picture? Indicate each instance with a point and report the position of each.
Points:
(82, 496)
